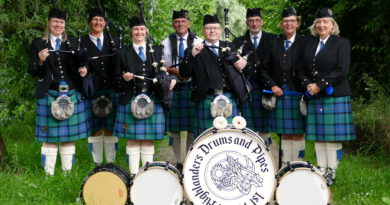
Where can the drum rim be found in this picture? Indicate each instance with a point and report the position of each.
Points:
(278, 179)
(171, 169)
(104, 168)
(211, 131)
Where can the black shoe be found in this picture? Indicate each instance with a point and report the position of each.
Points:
(179, 166)
(330, 176)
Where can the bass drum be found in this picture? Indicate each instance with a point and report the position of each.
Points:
(301, 183)
(229, 167)
(157, 183)
(106, 184)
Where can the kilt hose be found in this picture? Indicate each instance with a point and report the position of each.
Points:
(330, 119)
(51, 130)
(257, 118)
(182, 112)
(286, 118)
(129, 127)
(96, 123)
(203, 119)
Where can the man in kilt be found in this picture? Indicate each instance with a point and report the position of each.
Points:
(324, 75)
(257, 42)
(182, 113)
(280, 66)
(99, 47)
(60, 110)
(135, 121)
(203, 63)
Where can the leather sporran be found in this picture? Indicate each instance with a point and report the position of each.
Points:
(142, 107)
(302, 106)
(268, 101)
(221, 106)
(102, 107)
(62, 108)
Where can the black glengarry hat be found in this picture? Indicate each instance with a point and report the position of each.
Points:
(210, 19)
(289, 12)
(56, 13)
(324, 13)
(253, 12)
(137, 21)
(96, 12)
(180, 14)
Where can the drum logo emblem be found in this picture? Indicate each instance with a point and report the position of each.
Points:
(230, 175)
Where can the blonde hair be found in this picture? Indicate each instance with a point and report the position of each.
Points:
(47, 32)
(335, 30)
(299, 20)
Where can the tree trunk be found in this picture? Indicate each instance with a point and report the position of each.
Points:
(3, 152)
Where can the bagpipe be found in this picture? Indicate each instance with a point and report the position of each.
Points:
(239, 85)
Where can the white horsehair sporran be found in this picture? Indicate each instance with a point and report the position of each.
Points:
(221, 106)
(229, 166)
(102, 106)
(268, 101)
(302, 106)
(142, 106)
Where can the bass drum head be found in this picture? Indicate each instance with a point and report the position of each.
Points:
(107, 184)
(157, 183)
(229, 167)
(303, 185)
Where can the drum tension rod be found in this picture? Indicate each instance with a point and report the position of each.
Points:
(311, 166)
(147, 165)
(290, 166)
(166, 166)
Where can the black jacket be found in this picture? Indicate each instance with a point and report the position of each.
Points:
(280, 66)
(129, 61)
(206, 71)
(256, 59)
(56, 66)
(330, 66)
(102, 68)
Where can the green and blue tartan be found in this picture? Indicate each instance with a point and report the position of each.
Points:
(257, 118)
(287, 117)
(51, 130)
(129, 127)
(96, 123)
(203, 119)
(182, 112)
(330, 119)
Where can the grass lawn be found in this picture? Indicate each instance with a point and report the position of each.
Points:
(360, 179)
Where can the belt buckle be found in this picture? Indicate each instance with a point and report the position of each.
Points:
(63, 88)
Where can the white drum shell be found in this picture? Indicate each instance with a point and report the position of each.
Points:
(303, 186)
(156, 185)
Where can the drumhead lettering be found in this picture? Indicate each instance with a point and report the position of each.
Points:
(229, 167)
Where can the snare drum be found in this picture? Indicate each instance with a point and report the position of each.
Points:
(157, 183)
(301, 183)
(106, 184)
(229, 167)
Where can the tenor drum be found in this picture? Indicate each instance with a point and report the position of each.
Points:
(301, 183)
(106, 184)
(229, 167)
(157, 183)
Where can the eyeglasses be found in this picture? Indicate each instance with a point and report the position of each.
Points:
(252, 21)
(289, 21)
(209, 28)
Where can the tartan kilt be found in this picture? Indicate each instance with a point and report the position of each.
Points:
(182, 112)
(287, 117)
(51, 130)
(203, 119)
(257, 118)
(96, 123)
(129, 127)
(330, 119)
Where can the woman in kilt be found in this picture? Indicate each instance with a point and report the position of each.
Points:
(136, 97)
(324, 74)
(280, 66)
(60, 110)
(101, 105)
